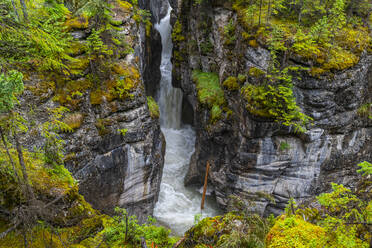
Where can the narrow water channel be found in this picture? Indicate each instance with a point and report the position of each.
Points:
(177, 205)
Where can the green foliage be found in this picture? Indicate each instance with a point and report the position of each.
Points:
(365, 110)
(153, 107)
(341, 221)
(366, 168)
(40, 42)
(126, 230)
(229, 33)
(10, 86)
(209, 89)
(284, 146)
(54, 144)
(177, 32)
(123, 131)
(276, 102)
(95, 45)
(323, 32)
(232, 230)
(293, 231)
(210, 92)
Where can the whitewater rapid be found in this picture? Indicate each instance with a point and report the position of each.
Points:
(177, 205)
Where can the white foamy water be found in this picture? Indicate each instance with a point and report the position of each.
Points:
(177, 205)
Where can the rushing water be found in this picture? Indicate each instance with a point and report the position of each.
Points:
(177, 205)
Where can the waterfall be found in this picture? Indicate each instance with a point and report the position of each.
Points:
(177, 205)
(170, 99)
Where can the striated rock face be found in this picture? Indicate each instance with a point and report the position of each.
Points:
(117, 151)
(251, 155)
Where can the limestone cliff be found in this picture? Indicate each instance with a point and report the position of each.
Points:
(115, 149)
(252, 154)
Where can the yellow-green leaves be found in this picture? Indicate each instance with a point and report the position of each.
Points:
(10, 85)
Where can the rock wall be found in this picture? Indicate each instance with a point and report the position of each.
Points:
(113, 169)
(251, 155)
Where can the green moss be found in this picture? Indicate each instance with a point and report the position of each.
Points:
(216, 113)
(256, 72)
(78, 65)
(284, 146)
(126, 80)
(102, 126)
(231, 230)
(365, 110)
(124, 5)
(177, 33)
(253, 43)
(210, 92)
(42, 89)
(153, 108)
(242, 78)
(231, 83)
(294, 232)
(74, 121)
(79, 22)
(123, 131)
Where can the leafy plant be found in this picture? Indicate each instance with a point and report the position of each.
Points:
(342, 220)
(125, 230)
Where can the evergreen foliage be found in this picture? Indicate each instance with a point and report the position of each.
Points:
(10, 85)
(124, 229)
(331, 34)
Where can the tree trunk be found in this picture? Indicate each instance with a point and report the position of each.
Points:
(30, 192)
(10, 157)
(24, 233)
(24, 9)
(300, 13)
(268, 13)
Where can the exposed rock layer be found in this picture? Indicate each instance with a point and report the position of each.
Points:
(113, 168)
(246, 151)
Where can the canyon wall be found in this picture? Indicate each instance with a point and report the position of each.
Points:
(252, 155)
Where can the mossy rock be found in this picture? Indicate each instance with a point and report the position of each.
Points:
(231, 83)
(256, 72)
(78, 22)
(231, 230)
(210, 93)
(74, 120)
(294, 232)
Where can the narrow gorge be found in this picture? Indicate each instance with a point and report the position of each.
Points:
(111, 110)
(177, 205)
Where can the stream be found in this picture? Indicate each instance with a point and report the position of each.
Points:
(177, 205)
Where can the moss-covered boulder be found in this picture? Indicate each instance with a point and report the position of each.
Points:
(231, 230)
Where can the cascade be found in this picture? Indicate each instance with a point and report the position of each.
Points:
(177, 205)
